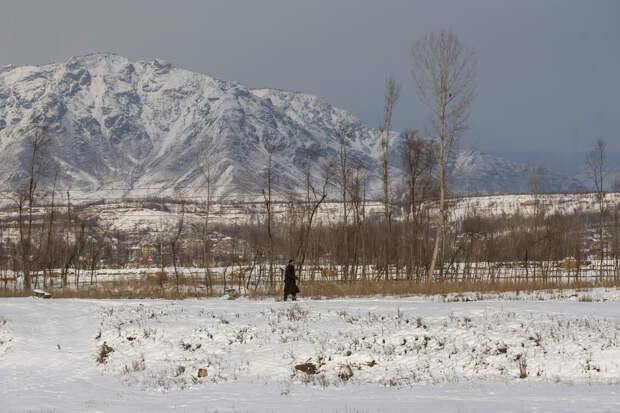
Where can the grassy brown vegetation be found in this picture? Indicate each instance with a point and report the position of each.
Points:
(150, 288)
(407, 288)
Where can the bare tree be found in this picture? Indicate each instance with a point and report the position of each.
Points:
(536, 188)
(162, 244)
(343, 133)
(48, 253)
(174, 241)
(206, 166)
(357, 195)
(616, 237)
(444, 71)
(315, 196)
(595, 164)
(271, 149)
(70, 245)
(392, 92)
(95, 245)
(419, 161)
(38, 160)
(616, 188)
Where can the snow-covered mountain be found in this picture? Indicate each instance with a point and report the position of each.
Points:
(481, 173)
(124, 128)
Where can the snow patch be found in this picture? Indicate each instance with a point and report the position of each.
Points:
(163, 347)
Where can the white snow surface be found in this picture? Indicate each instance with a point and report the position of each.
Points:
(372, 355)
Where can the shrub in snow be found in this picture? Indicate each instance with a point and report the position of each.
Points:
(5, 336)
(319, 345)
(104, 352)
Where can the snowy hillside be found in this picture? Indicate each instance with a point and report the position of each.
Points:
(121, 128)
(481, 173)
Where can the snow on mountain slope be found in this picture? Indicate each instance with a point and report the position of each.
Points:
(478, 172)
(122, 128)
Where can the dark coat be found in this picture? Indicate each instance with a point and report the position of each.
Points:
(290, 281)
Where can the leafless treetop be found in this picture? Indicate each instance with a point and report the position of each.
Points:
(444, 71)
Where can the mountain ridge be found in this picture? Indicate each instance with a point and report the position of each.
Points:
(139, 125)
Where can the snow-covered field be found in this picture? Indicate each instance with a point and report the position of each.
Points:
(133, 216)
(125, 217)
(548, 351)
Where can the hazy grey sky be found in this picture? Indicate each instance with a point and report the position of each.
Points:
(548, 71)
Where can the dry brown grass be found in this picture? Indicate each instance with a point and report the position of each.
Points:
(151, 287)
(9, 292)
(323, 289)
(155, 285)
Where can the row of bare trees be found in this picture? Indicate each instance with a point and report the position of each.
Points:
(66, 239)
(414, 236)
(477, 248)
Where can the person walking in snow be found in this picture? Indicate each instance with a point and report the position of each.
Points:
(290, 281)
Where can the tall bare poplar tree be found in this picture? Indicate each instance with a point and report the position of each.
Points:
(343, 133)
(357, 196)
(37, 146)
(595, 164)
(206, 162)
(616, 188)
(271, 149)
(419, 162)
(444, 71)
(392, 92)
